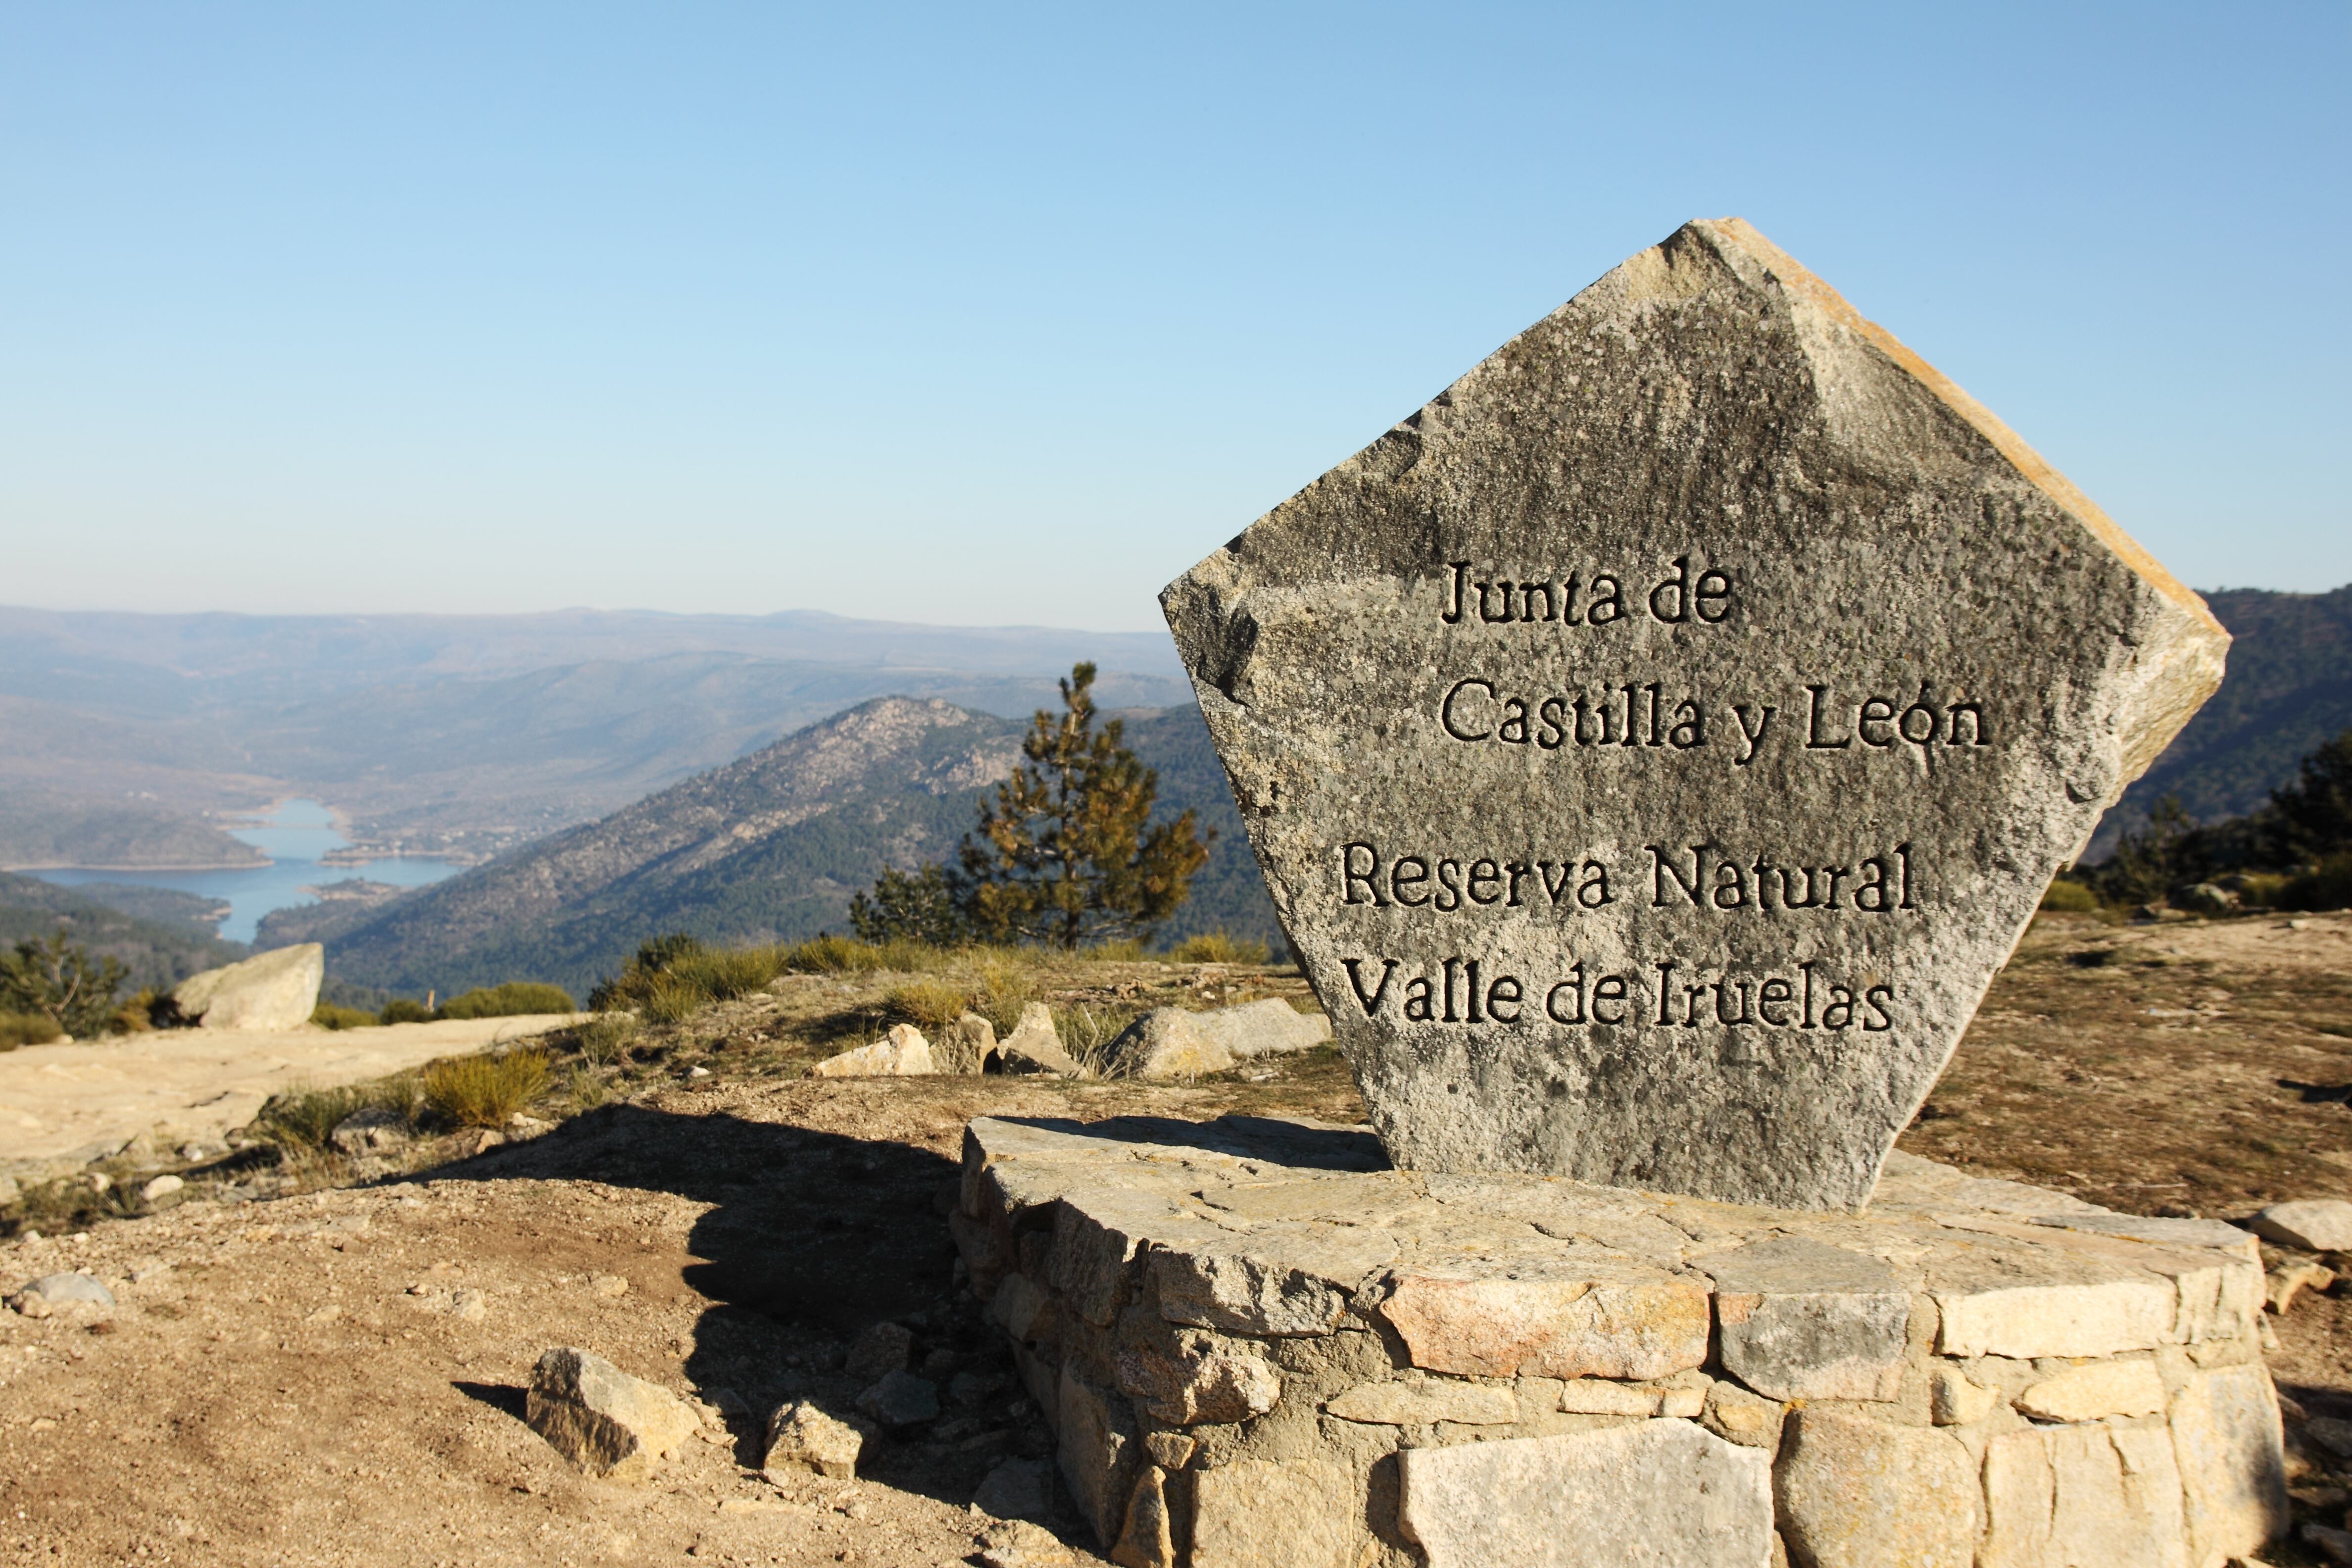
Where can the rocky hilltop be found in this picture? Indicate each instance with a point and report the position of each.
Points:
(770, 845)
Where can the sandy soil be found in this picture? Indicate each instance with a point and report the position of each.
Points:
(334, 1376)
(63, 1106)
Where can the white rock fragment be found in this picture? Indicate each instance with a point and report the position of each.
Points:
(162, 1186)
(901, 1052)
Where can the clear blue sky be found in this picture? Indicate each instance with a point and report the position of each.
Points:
(986, 314)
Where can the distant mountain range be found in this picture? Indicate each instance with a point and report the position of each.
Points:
(456, 735)
(2289, 688)
(40, 829)
(766, 849)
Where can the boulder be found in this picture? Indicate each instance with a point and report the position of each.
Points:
(1034, 1047)
(2310, 1225)
(901, 1052)
(601, 1419)
(274, 990)
(1270, 1028)
(1165, 1042)
(803, 1439)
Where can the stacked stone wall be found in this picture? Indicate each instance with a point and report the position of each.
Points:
(1256, 1346)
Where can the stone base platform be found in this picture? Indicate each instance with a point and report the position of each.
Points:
(1258, 1344)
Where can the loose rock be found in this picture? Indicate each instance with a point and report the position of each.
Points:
(803, 1439)
(1270, 1028)
(41, 1297)
(1034, 1047)
(371, 1130)
(901, 1052)
(2310, 1225)
(601, 1419)
(1165, 1042)
(161, 1188)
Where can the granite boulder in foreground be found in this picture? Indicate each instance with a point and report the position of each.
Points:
(1655, 745)
(273, 990)
(1259, 1345)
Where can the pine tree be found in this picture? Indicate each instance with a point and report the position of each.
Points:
(59, 980)
(1067, 853)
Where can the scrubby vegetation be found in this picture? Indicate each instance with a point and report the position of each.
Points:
(58, 979)
(486, 1090)
(2295, 853)
(27, 1029)
(511, 1000)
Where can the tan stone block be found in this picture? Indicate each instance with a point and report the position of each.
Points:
(2026, 1322)
(2102, 1388)
(2093, 1494)
(2226, 1439)
(1738, 1416)
(803, 1438)
(901, 1052)
(1426, 1403)
(1201, 1383)
(1666, 1489)
(1855, 1492)
(1607, 1320)
(1256, 1513)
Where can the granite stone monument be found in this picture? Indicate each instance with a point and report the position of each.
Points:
(1655, 744)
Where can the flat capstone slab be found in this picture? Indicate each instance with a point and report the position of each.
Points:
(1655, 745)
(1260, 1343)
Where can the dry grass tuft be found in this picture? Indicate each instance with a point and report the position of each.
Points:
(486, 1090)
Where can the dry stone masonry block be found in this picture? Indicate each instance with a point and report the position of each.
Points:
(1259, 1343)
(1655, 744)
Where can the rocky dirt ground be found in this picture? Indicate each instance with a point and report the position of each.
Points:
(322, 1360)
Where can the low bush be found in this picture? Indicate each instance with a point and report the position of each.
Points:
(486, 1090)
(404, 1010)
(301, 1119)
(670, 1001)
(2066, 896)
(327, 1016)
(27, 1029)
(1218, 947)
(2259, 890)
(511, 1000)
(2327, 886)
(605, 1040)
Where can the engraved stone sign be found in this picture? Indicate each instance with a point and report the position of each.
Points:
(1654, 745)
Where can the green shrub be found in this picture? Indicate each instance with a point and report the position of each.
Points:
(832, 955)
(61, 980)
(723, 974)
(2066, 896)
(605, 1040)
(2260, 889)
(585, 1088)
(513, 999)
(2327, 886)
(1218, 947)
(27, 1029)
(486, 1090)
(327, 1016)
(404, 1010)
